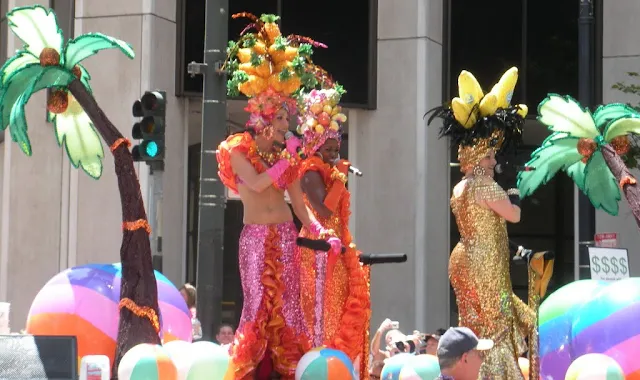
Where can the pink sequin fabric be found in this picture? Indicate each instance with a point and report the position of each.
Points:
(272, 320)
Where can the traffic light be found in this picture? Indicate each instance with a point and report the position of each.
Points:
(152, 108)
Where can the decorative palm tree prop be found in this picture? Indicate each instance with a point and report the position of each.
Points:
(588, 147)
(47, 63)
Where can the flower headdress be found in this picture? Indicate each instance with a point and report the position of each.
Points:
(477, 122)
(321, 117)
(268, 68)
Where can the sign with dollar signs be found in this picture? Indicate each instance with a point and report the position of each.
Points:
(608, 264)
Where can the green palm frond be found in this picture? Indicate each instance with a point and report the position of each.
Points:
(577, 173)
(81, 141)
(613, 111)
(19, 61)
(14, 85)
(37, 27)
(624, 125)
(89, 44)
(558, 152)
(50, 76)
(564, 114)
(600, 185)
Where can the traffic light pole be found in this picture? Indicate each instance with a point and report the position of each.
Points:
(586, 214)
(212, 197)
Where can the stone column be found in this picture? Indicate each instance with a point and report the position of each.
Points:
(402, 200)
(31, 230)
(621, 54)
(149, 26)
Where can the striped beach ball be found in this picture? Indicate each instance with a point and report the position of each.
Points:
(209, 361)
(608, 324)
(324, 364)
(393, 366)
(594, 367)
(557, 314)
(147, 362)
(180, 352)
(83, 302)
(420, 367)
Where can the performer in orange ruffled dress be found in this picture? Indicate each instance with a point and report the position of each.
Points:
(334, 288)
(271, 336)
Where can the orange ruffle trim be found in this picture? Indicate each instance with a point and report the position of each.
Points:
(269, 331)
(245, 144)
(352, 337)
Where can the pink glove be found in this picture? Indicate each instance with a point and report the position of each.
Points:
(319, 231)
(278, 169)
(336, 245)
(293, 143)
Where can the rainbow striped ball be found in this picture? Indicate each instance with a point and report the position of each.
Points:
(608, 324)
(325, 363)
(595, 367)
(147, 362)
(83, 302)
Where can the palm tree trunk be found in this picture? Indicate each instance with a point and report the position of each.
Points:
(625, 178)
(138, 279)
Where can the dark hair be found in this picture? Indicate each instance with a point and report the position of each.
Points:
(225, 325)
(190, 290)
(441, 332)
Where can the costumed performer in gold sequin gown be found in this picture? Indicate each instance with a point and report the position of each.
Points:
(334, 288)
(483, 125)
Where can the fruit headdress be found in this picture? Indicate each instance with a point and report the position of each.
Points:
(477, 122)
(269, 68)
(321, 117)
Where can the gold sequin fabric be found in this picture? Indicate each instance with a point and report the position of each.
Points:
(479, 274)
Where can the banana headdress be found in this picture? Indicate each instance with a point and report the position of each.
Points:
(321, 117)
(477, 122)
(269, 68)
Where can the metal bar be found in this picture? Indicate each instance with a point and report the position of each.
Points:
(586, 212)
(209, 277)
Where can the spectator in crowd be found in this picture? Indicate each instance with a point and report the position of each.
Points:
(389, 330)
(460, 354)
(188, 292)
(225, 334)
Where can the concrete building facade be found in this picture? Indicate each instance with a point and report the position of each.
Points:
(54, 216)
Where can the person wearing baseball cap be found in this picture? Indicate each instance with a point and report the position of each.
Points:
(460, 354)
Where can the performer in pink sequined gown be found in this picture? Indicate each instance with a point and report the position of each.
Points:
(271, 335)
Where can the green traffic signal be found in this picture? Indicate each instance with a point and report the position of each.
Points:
(151, 107)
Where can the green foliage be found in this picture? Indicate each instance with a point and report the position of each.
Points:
(305, 50)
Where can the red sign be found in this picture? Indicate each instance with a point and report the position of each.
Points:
(607, 240)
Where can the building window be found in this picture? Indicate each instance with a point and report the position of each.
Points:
(356, 39)
(487, 38)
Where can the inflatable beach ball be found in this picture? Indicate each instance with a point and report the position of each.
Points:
(147, 362)
(420, 367)
(393, 366)
(83, 302)
(595, 367)
(208, 361)
(325, 364)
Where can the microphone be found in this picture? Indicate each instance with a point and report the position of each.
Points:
(352, 168)
(316, 245)
(289, 135)
(382, 258)
(499, 168)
